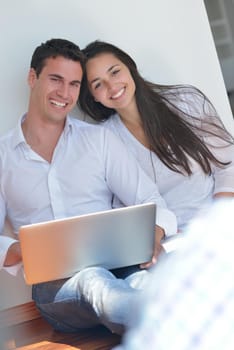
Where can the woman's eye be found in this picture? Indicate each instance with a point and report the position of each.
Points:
(97, 86)
(116, 71)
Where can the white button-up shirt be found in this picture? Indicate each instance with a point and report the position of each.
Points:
(89, 166)
(184, 195)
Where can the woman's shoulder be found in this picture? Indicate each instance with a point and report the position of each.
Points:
(88, 128)
(112, 123)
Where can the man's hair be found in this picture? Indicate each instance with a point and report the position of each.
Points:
(53, 48)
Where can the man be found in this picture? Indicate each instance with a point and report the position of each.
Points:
(53, 166)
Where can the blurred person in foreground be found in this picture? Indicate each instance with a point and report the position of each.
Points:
(193, 305)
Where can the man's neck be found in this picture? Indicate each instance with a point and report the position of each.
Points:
(42, 137)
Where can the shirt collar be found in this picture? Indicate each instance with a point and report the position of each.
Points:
(18, 136)
(68, 126)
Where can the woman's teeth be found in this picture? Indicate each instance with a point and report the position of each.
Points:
(118, 94)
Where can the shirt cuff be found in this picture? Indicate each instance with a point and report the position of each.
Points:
(224, 189)
(5, 243)
(13, 270)
(167, 220)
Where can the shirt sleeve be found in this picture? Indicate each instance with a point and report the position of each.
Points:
(224, 175)
(222, 147)
(5, 241)
(130, 184)
(205, 116)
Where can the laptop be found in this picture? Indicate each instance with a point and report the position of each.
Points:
(112, 239)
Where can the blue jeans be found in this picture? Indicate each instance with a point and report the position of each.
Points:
(91, 297)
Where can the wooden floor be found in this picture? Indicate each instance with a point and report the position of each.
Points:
(23, 328)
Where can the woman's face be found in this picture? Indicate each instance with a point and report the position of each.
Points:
(110, 82)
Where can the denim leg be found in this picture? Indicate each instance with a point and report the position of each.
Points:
(135, 276)
(110, 297)
(61, 305)
(92, 296)
(139, 279)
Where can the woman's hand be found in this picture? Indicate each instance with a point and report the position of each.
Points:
(159, 235)
(223, 195)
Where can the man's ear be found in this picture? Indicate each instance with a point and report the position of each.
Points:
(32, 77)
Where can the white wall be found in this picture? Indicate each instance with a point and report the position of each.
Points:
(170, 40)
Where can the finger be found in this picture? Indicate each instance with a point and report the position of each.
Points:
(149, 263)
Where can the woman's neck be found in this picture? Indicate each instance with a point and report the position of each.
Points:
(130, 115)
(132, 120)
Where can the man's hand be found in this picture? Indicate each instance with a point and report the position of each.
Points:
(13, 255)
(159, 235)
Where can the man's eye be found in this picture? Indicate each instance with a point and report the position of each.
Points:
(77, 85)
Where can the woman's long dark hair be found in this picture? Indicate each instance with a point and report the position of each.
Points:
(173, 133)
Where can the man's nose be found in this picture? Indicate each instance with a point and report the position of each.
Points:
(63, 90)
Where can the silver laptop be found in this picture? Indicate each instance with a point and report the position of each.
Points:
(112, 239)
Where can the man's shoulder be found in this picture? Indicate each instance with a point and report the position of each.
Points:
(93, 133)
(6, 138)
(85, 127)
(6, 147)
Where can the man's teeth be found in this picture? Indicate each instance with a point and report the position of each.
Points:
(59, 104)
(118, 94)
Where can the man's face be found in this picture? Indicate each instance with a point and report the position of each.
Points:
(55, 91)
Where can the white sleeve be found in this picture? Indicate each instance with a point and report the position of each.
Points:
(221, 149)
(223, 176)
(5, 241)
(195, 104)
(130, 184)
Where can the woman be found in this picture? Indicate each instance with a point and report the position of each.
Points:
(173, 131)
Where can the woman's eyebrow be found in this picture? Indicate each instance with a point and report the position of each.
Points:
(108, 70)
(115, 65)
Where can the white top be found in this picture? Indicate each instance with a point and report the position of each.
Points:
(89, 165)
(184, 195)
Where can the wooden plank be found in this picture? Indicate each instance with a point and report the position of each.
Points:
(38, 335)
(23, 328)
(18, 314)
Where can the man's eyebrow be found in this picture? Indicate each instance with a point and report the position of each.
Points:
(108, 70)
(61, 78)
(55, 76)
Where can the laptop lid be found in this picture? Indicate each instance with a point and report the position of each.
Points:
(112, 239)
